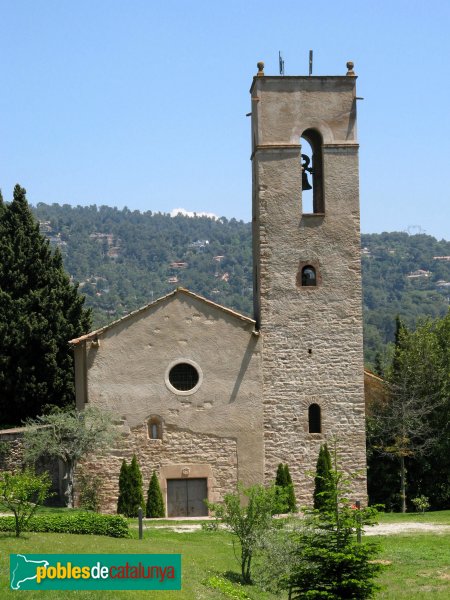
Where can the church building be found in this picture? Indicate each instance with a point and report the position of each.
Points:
(208, 397)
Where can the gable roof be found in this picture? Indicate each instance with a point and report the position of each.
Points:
(179, 290)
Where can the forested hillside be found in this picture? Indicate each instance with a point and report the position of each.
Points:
(123, 259)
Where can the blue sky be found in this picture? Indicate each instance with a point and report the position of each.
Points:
(142, 104)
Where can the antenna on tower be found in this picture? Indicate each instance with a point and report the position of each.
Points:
(310, 62)
(281, 63)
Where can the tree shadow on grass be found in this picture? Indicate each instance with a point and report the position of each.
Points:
(234, 577)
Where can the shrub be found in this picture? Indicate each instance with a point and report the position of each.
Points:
(248, 521)
(155, 502)
(80, 523)
(226, 587)
(89, 486)
(421, 503)
(22, 493)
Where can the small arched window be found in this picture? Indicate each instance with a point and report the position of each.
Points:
(314, 419)
(312, 172)
(309, 277)
(154, 428)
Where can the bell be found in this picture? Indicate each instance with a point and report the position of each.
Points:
(305, 183)
(305, 169)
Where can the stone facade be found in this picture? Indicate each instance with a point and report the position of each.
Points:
(213, 432)
(312, 336)
(177, 455)
(257, 379)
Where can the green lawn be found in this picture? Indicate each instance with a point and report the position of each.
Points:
(420, 567)
(418, 564)
(439, 517)
(203, 555)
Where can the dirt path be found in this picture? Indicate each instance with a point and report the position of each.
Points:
(382, 529)
(393, 528)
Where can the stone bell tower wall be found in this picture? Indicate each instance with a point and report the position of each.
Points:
(312, 336)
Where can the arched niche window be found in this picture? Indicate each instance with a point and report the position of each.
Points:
(309, 277)
(154, 428)
(314, 419)
(312, 172)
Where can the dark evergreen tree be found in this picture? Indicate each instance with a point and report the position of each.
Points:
(124, 489)
(136, 498)
(290, 493)
(40, 311)
(323, 481)
(285, 490)
(280, 478)
(155, 502)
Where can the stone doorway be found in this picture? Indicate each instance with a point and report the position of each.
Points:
(185, 497)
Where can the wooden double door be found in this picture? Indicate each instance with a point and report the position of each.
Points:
(185, 497)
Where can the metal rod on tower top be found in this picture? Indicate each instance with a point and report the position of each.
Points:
(281, 63)
(310, 61)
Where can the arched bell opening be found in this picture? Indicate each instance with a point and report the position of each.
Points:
(312, 172)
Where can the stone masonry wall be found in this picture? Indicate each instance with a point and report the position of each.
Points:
(13, 460)
(178, 447)
(312, 336)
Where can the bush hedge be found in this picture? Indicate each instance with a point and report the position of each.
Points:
(79, 522)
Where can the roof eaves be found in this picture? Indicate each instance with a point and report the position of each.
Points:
(97, 332)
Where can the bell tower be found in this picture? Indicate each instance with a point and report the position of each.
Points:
(307, 272)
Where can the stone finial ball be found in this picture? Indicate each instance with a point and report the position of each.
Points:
(260, 66)
(350, 66)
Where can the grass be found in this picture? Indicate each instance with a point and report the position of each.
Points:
(438, 517)
(419, 567)
(203, 555)
(418, 564)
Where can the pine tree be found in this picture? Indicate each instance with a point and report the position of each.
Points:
(124, 489)
(155, 502)
(136, 498)
(40, 311)
(323, 480)
(289, 487)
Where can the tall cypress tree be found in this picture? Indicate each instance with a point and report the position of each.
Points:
(289, 487)
(136, 499)
(124, 489)
(280, 478)
(40, 311)
(155, 502)
(323, 481)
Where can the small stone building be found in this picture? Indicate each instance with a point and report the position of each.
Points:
(208, 397)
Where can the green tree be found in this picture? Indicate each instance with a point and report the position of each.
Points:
(40, 310)
(124, 489)
(323, 499)
(155, 502)
(285, 490)
(248, 514)
(290, 492)
(320, 556)
(22, 493)
(68, 435)
(403, 427)
(280, 478)
(136, 497)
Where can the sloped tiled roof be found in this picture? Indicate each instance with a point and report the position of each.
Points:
(179, 290)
